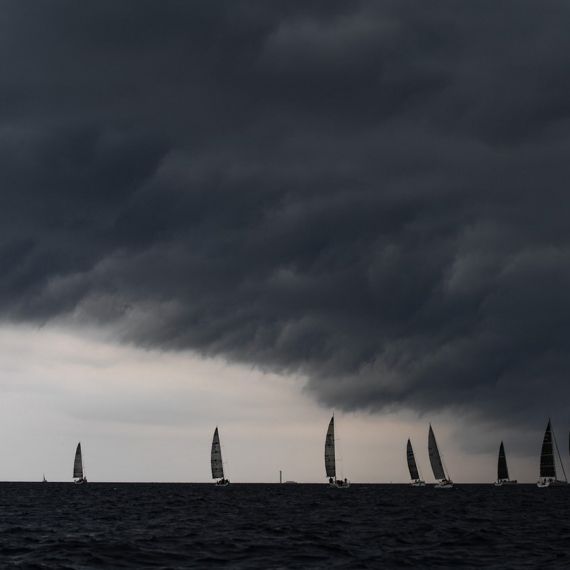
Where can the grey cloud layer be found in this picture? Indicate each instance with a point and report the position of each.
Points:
(372, 194)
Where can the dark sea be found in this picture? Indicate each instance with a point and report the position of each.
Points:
(60, 525)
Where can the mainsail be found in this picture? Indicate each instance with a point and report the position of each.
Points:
(330, 464)
(216, 457)
(502, 470)
(434, 457)
(412, 462)
(547, 467)
(78, 463)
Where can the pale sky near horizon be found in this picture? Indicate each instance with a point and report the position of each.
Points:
(147, 415)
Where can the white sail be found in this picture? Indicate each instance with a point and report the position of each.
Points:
(78, 463)
(216, 457)
(330, 462)
(434, 456)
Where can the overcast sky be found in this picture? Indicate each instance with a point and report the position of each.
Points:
(248, 214)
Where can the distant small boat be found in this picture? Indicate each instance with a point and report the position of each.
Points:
(413, 468)
(78, 476)
(44, 480)
(285, 482)
(330, 459)
(443, 479)
(502, 470)
(548, 476)
(216, 461)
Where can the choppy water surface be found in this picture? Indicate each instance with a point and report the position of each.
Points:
(282, 526)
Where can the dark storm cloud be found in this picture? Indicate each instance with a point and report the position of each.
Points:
(371, 194)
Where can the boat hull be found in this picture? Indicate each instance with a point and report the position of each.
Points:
(505, 482)
(222, 483)
(418, 483)
(82, 481)
(550, 482)
(340, 484)
(444, 485)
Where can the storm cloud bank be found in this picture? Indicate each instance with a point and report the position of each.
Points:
(372, 194)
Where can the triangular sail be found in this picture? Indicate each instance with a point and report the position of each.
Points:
(78, 463)
(330, 462)
(547, 466)
(502, 470)
(412, 462)
(216, 457)
(434, 456)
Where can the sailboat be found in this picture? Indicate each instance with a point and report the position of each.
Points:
(443, 480)
(413, 468)
(289, 482)
(548, 477)
(502, 470)
(216, 461)
(78, 476)
(44, 480)
(330, 459)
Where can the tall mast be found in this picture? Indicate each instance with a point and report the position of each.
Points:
(559, 456)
